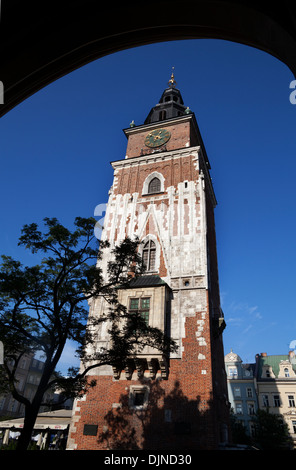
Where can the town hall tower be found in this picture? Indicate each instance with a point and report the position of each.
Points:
(162, 193)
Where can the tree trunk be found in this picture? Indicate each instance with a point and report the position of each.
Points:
(26, 433)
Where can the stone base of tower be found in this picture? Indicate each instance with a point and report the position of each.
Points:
(184, 411)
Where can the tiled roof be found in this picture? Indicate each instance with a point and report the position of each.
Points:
(273, 361)
(146, 281)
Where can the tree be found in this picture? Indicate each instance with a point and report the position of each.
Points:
(43, 306)
(271, 432)
(238, 430)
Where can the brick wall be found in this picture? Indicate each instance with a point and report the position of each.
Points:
(180, 412)
(180, 138)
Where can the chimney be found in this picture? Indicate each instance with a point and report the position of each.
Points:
(263, 354)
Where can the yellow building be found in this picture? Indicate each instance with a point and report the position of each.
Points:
(276, 387)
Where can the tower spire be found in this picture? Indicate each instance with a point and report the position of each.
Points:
(170, 105)
(172, 82)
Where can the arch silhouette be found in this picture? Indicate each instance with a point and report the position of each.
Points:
(41, 44)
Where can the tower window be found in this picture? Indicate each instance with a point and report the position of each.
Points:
(149, 255)
(140, 306)
(162, 115)
(154, 186)
(138, 397)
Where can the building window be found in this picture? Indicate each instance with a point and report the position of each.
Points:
(265, 400)
(154, 186)
(251, 408)
(286, 370)
(237, 392)
(291, 401)
(294, 426)
(141, 306)
(249, 392)
(276, 400)
(154, 183)
(90, 429)
(239, 408)
(138, 397)
(149, 255)
(232, 371)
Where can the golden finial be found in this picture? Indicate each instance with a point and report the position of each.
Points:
(172, 82)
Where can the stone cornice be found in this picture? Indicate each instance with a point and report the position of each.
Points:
(155, 125)
(155, 157)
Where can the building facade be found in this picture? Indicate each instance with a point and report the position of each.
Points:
(28, 375)
(276, 387)
(162, 192)
(242, 392)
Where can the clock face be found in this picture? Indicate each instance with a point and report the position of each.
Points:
(157, 137)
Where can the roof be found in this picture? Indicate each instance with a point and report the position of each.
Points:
(59, 419)
(152, 280)
(274, 362)
(232, 357)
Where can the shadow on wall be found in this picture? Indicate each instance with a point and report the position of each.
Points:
(180, 422)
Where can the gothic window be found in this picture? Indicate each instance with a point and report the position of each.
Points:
(141, 306)
(149, 255)
(154, 186)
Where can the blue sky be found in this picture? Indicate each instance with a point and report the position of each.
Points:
(56, 148)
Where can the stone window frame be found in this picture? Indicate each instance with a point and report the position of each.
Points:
(149, 178)
(144, 312)
(152, 238)
(149, 247)
(138, 389)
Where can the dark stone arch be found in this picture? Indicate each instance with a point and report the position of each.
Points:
(41, 42)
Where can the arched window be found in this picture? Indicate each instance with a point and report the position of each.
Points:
(154, 186)
(149, 255)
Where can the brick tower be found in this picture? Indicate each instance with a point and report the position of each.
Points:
(162, 192)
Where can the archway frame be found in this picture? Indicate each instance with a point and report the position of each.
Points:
(39, 45)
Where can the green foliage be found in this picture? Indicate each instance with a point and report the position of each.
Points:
(238, 431)
(271, 432)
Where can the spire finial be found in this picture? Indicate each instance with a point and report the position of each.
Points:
(172, 82)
